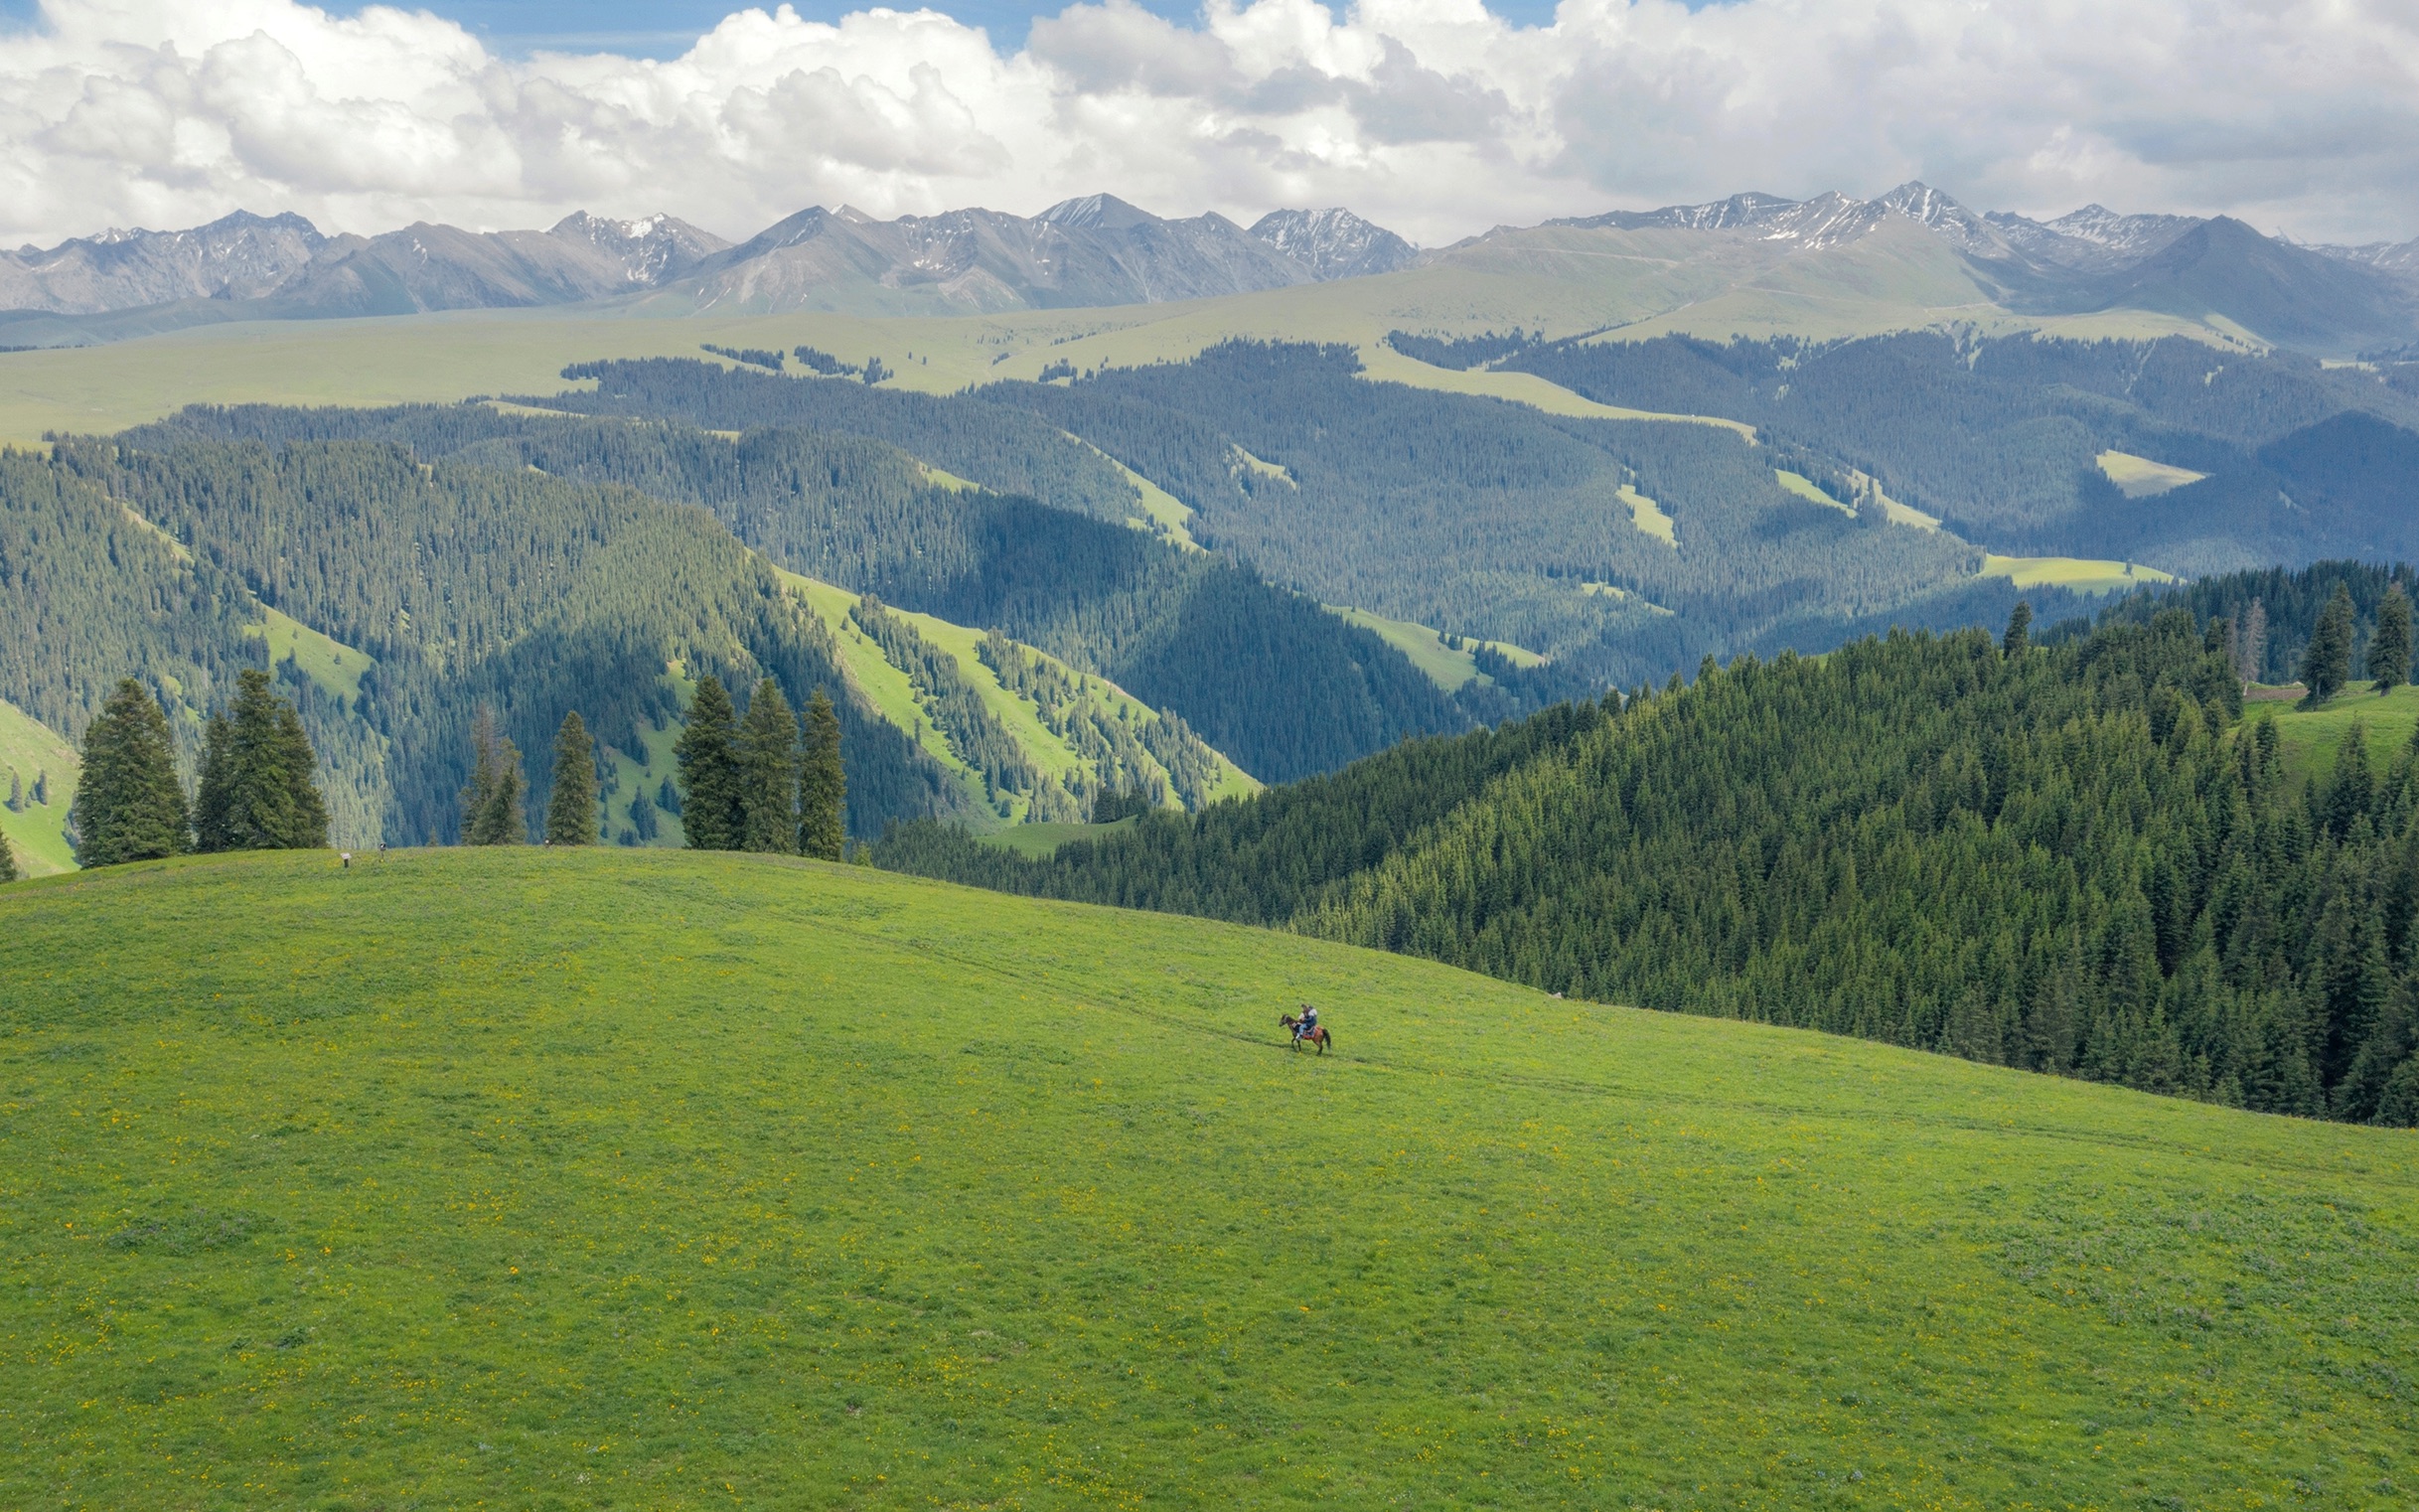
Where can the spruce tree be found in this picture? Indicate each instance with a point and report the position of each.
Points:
(2327, 665)
(2389, 650)
(708, 751)
(8, 862)
(823, 785)
(2019, 631)
(484, 768)
(571, 806)
(213, 798)
(491, 805)
(264, 796)
(296, 765)
(128, 807)
(768, 773)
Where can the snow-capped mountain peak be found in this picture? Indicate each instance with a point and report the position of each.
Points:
(1335, 242)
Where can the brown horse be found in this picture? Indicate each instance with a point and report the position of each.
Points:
(1319, 1036)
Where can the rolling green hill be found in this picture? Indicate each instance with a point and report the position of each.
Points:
(668, 1180)
(2077, 857)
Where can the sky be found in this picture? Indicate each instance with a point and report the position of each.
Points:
(1435, 117)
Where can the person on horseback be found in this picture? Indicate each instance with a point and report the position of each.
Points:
(1308, 1024)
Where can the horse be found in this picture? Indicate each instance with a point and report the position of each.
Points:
(1319, 1036)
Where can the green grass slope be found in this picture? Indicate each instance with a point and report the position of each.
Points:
(37, 831)
(1448, 667)
(887, 689)
(2309, 738)
(639, 1178)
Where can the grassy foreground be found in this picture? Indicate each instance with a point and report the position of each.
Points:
(628, 1178)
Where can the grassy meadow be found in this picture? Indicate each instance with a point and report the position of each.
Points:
(1448, 667)
(2076, 573)
(2310, 738)
(632, 1178)
(37, 831)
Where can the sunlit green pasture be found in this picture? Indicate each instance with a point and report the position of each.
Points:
(2077, 573)
(33, 753)
(641, 1179)
(1448, 667)
(1044, 839)
(2309, 738)
(2141, 478)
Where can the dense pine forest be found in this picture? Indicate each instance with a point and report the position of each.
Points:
(1183, 631)
(2077, 857)
(1486, 519)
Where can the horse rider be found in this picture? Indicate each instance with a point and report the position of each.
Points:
(1308, 1024)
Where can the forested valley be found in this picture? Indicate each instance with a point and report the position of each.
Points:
(2075, 856)
(1486, 519)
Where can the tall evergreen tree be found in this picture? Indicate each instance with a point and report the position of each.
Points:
(823, 785)
(768, 773)
(2251, 642)
(485, 766)
(129, 806)
(213, 798)
(2389, 650)
(571, 806)
(2019, 631)
(491, 805)
(266, 773)
(2327, 665)
(708, 750)
(8, 862)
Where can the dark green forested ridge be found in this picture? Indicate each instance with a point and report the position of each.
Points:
(1488, 518)
(466, 585)
(1007, 450)
(1186, 633)
(2078, 859)
(1259, 860)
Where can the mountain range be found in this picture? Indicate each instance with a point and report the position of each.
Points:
(1100, 250)
(1094, 250)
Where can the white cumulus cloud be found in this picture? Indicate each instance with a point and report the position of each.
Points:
(1433, 116)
